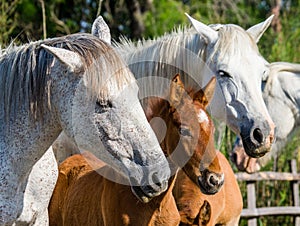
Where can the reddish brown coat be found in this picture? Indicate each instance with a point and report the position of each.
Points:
(196, 208)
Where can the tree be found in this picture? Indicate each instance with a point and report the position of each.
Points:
(8, 20)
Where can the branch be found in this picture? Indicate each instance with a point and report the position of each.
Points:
(44, 18)
(59, 22)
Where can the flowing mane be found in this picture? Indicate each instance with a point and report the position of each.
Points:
(277, 67)
(169, 54)
(175, 52)
(24, 71)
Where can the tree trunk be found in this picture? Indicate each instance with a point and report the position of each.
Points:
(136, 21)
(276, 24)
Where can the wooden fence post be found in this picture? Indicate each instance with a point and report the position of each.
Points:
(295, 187)
(252, 212)
(251, 201)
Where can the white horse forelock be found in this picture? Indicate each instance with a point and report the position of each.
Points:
(231, 34)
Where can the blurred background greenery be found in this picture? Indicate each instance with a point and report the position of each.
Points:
(22, 20)
(29, 20)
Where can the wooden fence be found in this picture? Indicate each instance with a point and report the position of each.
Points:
(252, 212)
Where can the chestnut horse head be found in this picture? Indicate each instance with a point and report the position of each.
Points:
(189, 139)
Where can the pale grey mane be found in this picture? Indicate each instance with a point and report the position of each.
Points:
(182, 51)
(291, 94)
(128, 45)
(276, 68)
(24, 71)
(165, 56)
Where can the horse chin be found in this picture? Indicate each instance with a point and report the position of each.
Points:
(140, 194)
(255, 150)
(258, 152)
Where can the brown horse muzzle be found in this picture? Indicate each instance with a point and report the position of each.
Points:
(210, 182)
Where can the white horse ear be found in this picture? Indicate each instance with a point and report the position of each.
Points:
(66, 57)
(101, 30)
(257, 30)
(207, 32)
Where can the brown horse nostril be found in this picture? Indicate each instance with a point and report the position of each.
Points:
(213, 180)
(258, 136)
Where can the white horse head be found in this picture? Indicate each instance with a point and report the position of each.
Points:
(126, 138)
(79, 85)
(233, 56)
(281, 93)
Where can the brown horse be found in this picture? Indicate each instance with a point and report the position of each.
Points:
(84, 197)
(196, 208)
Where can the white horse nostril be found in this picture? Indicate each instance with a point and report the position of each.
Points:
(258, 135)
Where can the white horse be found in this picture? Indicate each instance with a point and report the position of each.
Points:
(226, 51)
(281, 93)
(44, 173)
(79, 85)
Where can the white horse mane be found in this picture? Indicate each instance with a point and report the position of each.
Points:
(228, 34)
(277, 67)
(24, 69)
(129, 45)
(180, 49)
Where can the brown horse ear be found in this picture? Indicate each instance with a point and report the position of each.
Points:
(205, 95)
(176, 91)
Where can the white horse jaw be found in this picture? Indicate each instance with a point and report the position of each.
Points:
(257, 30)
(204, 30)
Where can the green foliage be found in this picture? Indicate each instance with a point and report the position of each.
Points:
(285, 45)
(164, 17)
(8, 20)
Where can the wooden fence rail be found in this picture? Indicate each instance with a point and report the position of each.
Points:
(252, 212)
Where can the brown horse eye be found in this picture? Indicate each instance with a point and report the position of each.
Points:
(185, 132)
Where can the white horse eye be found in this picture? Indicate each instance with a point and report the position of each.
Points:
(224, 74)
(106, 104)
(265, 75)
